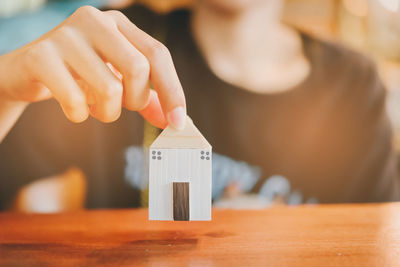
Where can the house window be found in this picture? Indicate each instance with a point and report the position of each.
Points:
(156, 155)
(205, 155)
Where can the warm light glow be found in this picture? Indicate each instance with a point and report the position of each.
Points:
(391, 5)
(357, 8)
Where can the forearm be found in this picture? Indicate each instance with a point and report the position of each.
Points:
(10, 111)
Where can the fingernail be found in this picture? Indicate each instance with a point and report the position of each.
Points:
(177, 118)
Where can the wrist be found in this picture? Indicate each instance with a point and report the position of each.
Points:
(10, 81)
(10, 111)
(9, 103)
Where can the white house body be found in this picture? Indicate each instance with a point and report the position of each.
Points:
(180, 158)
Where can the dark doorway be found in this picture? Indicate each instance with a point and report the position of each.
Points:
(181, 201)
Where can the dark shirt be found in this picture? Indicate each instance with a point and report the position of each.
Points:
(329, 136)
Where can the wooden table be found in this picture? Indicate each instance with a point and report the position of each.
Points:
(326, 235)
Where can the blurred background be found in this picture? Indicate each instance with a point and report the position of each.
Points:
(369, 26)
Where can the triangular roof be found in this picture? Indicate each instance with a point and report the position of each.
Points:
(189, 137)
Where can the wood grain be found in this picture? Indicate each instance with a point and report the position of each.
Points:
(188, 138)
(181, 201)
(331, 235)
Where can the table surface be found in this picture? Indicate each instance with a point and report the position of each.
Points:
(322, 235)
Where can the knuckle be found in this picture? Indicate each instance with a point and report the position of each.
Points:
(37, 53)
(74, 101)
(111, 90)
(87, 11)
(78, 117)
(158, 50)
(91, 16)
(140, 67)
(108, 117)
(117, 17)
(67, 31)
(116, 14)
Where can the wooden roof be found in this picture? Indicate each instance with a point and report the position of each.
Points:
(188, 138)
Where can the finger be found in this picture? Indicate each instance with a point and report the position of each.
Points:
(163, 74)
(104, 86)
(133, 66)
(46, 66)
(153, 112)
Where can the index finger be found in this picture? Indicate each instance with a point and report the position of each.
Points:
(162, 70)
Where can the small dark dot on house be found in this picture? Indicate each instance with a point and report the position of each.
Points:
(153, 157)
(202, 152)
(207, 158)
(207, 153)
(159, 153)
(202, 157)
(153, 152)
(158, 157)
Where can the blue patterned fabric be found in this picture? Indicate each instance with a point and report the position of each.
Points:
(225, 171)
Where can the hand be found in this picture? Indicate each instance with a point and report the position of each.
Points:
(95, 63)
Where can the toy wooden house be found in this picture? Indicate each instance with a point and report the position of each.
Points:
(180, 175)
